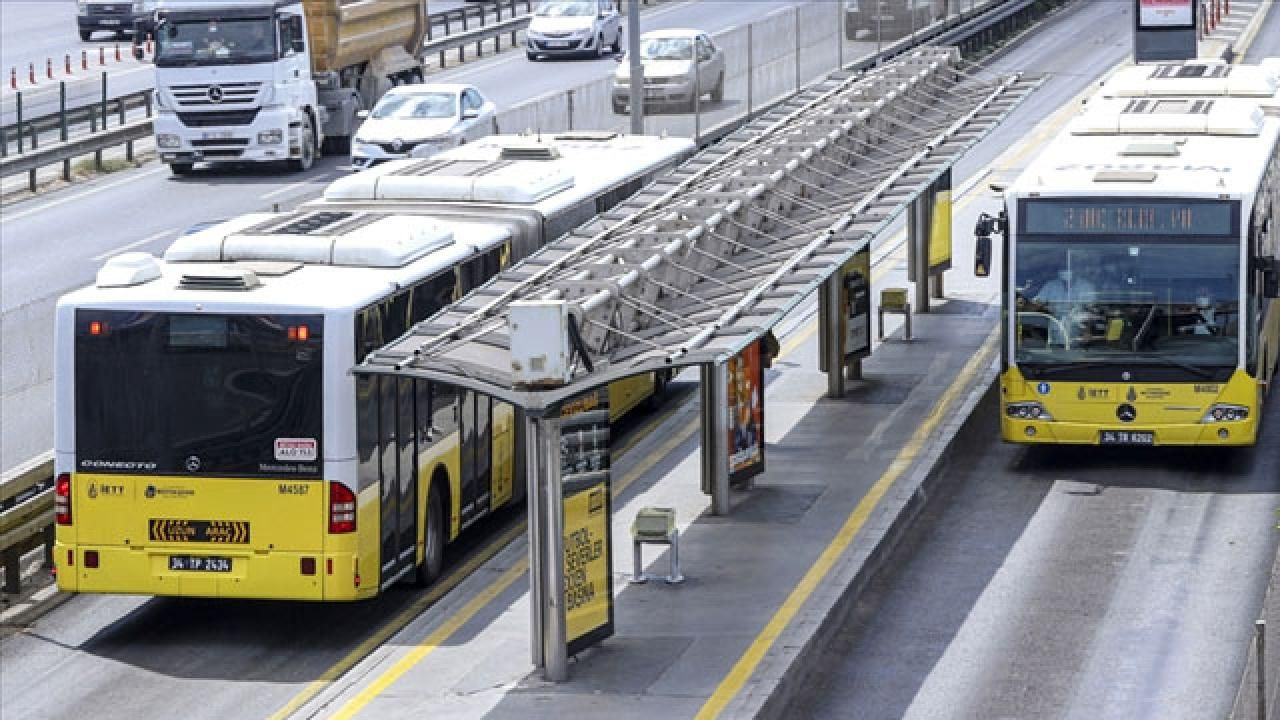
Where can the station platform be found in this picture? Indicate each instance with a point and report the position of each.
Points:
(842, 477)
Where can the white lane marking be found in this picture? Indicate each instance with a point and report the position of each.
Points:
(289, 188)
(132, 245)
(10, 217)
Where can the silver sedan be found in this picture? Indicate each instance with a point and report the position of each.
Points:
(671, 75)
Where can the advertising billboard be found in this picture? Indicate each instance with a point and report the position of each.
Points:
(585, 489)
(745, 375)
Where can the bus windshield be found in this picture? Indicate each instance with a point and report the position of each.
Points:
(190, 43)
(212, 395)
(1172, 302)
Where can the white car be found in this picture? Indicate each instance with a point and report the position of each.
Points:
(573, 27)
(670, 75)
(420, 121)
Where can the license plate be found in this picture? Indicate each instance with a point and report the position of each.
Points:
(558, 43)
(200, 563)
(1127, 437)
(109, 21)
(219, 135)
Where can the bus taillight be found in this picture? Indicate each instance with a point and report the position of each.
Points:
(62, 499)
(342, 509)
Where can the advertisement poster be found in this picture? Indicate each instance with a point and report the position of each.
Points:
(1164, 13)
(745, 380)
(584, 479)
(940, 225)
(856, 305)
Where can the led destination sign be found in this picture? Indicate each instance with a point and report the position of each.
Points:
(1100, 216)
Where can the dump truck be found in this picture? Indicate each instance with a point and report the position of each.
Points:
(249, 81)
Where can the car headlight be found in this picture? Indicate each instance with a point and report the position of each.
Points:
(271, 137)
(1027, 411)
(168, 141)
(1223, 412)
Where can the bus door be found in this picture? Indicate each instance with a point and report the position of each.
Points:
(476, 454)
(397, 484)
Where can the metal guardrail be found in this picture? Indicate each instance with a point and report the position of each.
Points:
(477, 12)
(67, 150)
(26, 523)
(460, 41)
(34, 479)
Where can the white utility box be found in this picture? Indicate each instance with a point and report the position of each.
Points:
(540, 348)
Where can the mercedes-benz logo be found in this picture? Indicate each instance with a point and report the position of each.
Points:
(215, 94)
(1126, 413)
(397, 144)
(193, 463)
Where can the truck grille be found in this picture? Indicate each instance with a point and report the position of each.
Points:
(218, 118)
(222, 142)
(215, 94)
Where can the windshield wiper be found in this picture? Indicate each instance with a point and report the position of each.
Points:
(1063, 367)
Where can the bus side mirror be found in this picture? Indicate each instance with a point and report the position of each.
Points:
(982, 256)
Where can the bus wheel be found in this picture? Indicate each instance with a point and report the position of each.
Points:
(434, 533)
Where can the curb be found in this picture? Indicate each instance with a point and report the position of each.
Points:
(799, 650)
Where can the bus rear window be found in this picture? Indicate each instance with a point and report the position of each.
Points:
(225, 395)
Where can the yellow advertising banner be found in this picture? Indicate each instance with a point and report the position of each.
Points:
(584, 480)
(940, 225)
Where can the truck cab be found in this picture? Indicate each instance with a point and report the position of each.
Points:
(233, 84)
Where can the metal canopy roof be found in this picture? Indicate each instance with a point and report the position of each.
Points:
(703, 262)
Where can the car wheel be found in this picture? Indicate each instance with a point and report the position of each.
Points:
(304, 163)
(85, 35)
(433, 533)
(717, 92)
(181, 168)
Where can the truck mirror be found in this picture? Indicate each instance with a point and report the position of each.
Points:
(982, 256)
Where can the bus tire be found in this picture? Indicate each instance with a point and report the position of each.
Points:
(434, 539)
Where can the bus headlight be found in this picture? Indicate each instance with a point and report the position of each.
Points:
(1222, 412)
(1027, 411)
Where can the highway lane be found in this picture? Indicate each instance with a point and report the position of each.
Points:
(56, 241)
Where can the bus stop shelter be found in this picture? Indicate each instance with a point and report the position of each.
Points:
(695, 270)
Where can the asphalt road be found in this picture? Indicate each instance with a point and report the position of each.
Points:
(56, 242)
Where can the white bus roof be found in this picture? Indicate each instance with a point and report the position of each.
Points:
(1195, 79)
(543, 172)
(225, 269)
(1221, 146)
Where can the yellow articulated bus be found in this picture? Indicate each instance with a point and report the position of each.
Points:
(1140, 273)
(210, 439)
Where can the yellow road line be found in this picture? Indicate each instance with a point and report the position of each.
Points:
(432, 641)
(741, 671)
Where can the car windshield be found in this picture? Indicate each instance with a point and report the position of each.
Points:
(424, 105)
(215, 42)
(666, 48)
(566, 9)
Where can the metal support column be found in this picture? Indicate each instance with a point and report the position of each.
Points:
(554, 644)
(537, 520)
(829, 326)
(636, 91)
(714, 392)
(918, 252)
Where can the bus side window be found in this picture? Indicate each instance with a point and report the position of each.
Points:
(395, 317)
(430, 295)
(366, 430)
(368, 331)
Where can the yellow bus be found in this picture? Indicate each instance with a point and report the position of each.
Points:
(210, 439)
(1140, 274)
